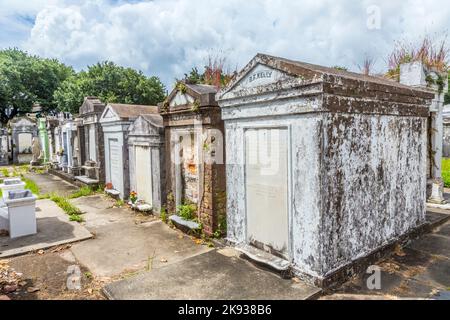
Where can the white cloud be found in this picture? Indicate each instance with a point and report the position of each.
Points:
(168, 37)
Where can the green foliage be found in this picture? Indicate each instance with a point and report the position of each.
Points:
(5, 172)
(181, 87)
(439, 82)
(31, 185)
(111, 83)
(194, 77)
(119, 203)
(195, 106)
(163, 214)
(446, 171)
(76, 218)
(26, 80)
(82, 192)
(187, 211)
(71, 210)
(221, 227)
(214, 72)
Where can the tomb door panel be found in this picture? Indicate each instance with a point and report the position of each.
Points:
(266, 183)
(143, 174)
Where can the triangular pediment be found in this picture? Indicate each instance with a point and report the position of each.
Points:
(109, 115)
(91, 105)
(181, 99)
(143, 126)
(86, 107)
(260, 75)
(24, 122)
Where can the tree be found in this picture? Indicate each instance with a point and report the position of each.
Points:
(26, 80)
(215, 73)
(194, 77)
(110, 83)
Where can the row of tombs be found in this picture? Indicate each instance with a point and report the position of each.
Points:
(312, 168)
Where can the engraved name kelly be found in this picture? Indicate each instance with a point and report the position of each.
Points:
(260, 75)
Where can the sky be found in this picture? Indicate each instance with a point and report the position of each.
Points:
(167, 38)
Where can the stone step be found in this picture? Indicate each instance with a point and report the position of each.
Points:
(113, 193)
(264, 258)
(184, 224)
(87, 180)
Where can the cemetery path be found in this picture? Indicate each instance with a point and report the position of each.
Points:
(420, 270)
(51, 184)
(124, 243)
(138, 256)
(217, 274)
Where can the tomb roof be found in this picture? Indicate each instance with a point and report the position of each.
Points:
(346, 81)
(155, 119)
(91, 105)
(132, 111)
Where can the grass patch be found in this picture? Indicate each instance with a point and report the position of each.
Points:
(446, 172)
(5, 172)
(31, 185)
(71, 210)
(82, 192)
(119, 203)
(76, 218)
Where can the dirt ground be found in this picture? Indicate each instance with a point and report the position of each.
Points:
(44, 276)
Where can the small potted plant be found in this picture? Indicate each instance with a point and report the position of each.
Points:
(133, 197)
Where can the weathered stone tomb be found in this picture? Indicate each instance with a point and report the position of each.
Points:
(324, 167)
(70, 147)
(90, 141)
(147, 162)
(195, 170)
(116, 120)
(23, 130)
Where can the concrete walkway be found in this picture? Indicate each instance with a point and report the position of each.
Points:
(421, 270)
(54, 228)
(126, 242)
(48, 183)
(218, 274)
